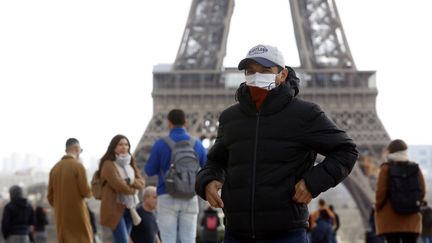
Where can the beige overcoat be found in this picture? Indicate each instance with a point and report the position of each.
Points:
(67, 189)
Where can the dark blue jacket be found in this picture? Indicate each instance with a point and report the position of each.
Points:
(322, 233)
(160, 156)
(17, 218)
(146, 231)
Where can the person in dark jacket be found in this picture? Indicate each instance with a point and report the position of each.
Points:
(40, 235)
(322, 205)
(371, 236)
(426, 212)
(18, 217)
(210, 222)
(323, 231)
(93, 224)
(336, 224)
(264, 153)
(147, 231)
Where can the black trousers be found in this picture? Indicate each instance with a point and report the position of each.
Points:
(401, 237)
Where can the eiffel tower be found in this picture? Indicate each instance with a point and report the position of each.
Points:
(198, 83)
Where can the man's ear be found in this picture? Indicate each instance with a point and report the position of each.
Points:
(283, 74)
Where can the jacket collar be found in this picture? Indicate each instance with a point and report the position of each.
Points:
(275, 101)
(398, 156)
(177, 130)
(69, 156)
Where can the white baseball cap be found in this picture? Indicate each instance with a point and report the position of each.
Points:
(268, 56)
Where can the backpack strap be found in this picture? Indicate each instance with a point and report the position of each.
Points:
(169, 141)
(408, 163)
(192, 142)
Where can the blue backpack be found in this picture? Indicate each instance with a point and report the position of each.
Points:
(184, 165)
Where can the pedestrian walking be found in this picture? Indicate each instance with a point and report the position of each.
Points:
(322, 205)
(177, 154)
(336, 224)
(18, 217)
(371, 236)
(67, 190)
(210, 223)
(323, 231)
(400, 191)
(41, 220)
(426, 212)
(93, 223)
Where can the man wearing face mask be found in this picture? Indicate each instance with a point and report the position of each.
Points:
(263, 157)
(67, 190)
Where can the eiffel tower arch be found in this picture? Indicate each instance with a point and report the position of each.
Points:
(198, 83)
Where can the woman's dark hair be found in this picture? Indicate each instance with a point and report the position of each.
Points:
(110, 153)
(40, 218)
(397, 145)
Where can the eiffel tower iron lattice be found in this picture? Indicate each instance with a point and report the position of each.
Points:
(198, 83)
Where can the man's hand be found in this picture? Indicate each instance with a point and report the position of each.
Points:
(302, 194)
(212, 195)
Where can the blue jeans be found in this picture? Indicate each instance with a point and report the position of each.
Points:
(427, 239)
(177, 217)
(123, 229)
(333, 238)
(298, 236)
(18, 239)
(40, 237)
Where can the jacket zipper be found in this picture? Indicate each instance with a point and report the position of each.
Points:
(253, 177)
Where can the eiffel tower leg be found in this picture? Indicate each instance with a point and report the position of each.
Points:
(199, 84)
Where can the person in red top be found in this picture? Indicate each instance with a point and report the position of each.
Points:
(210, 222)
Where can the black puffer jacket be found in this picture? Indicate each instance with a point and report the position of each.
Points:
(259, 156)
(18, 216)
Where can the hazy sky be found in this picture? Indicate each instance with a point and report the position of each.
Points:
(83, 68)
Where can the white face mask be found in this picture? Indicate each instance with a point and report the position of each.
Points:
(261, 80)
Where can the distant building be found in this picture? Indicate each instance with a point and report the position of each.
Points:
(422, 154)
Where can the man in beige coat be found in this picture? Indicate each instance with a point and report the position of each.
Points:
(67, 190)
